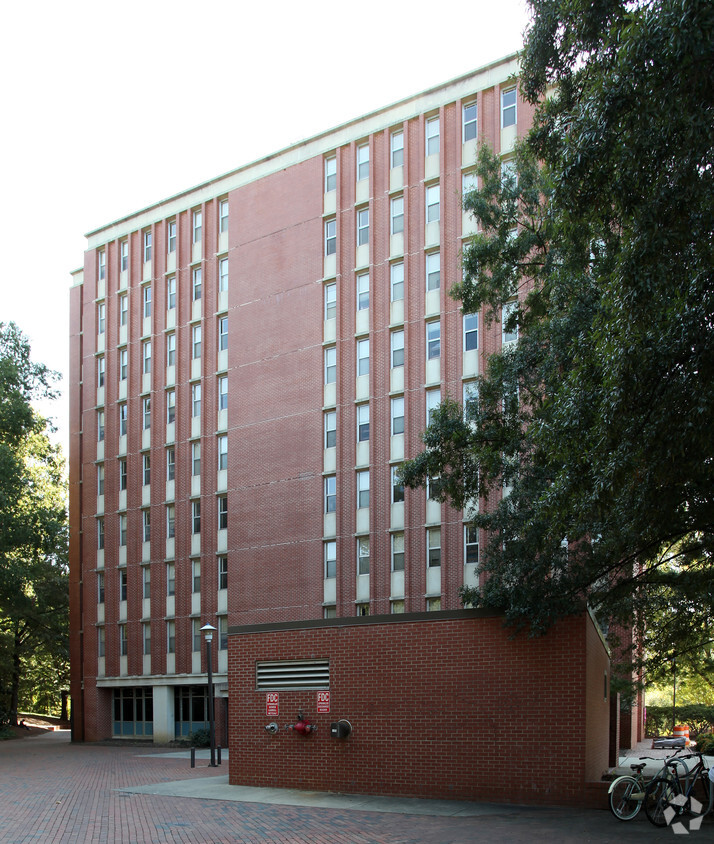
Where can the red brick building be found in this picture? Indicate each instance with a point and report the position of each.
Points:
(251, 362)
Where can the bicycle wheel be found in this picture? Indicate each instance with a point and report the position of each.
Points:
(625, 798)
(658, 796)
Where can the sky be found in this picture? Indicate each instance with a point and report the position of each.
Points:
(109, 107)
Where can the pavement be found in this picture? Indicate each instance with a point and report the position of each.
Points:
(55, 792)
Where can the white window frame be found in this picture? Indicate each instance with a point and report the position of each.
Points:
(330, 173)
(397, 486)
(123, 309)
(470, 332)
(432, 401)
(433, 270)
(171, 236)
(432, 132)
(196, 283)
(363, 560)
(433, 203)
(222, 333)
(196, 459)
(223, 275)
(397, 551)
(222, 512)
(397, 215)
(123, 255)
(363, 489)
(509, 106)
(146, 300)
(146, 469)
(362, 159)
(123, 363)
(330, 364)
(170, 406)
(196, 226)
(330, 297)
(101, 318)
(362, 226)
(146, 356)
(330, 559)
(396, 146)
(147, 247)
(397, 415)
(469, 121)
(222, 452)
(196, 399)
(123, 419)
(433, 339)
(170, 525)
(330, 237)
(396, 281)
(196, 340)
(433, 547)
(195, 516)
(363, 356)
(469, 544)
(363, 422)
(171, 348)
(171, 463)
(506, 336)
(330, 418)
(223, 216)
(101, 264)
(362, 286)
(223, 392)
(330, 493)
(396, 341)
(170, 292)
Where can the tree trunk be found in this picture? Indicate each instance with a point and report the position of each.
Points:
(15, 679)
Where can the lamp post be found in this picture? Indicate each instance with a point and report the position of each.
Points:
(208, 631)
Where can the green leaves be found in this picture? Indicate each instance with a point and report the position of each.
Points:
(607, 459)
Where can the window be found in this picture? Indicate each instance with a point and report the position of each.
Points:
(433, 539)
(146, 469)
(222, 632)
(509, 333)
(122, 529)
(170, 464)
(470, 399)
(469, 182)
(146, 300)
(197, 226)
(396, 272)
(123, 309)
(101, 264)
(330, 484)
(397, 486)
(397, 415)
(171, 293)
(222, 452)
(222, 333)
(195, 575)
(397, 149)
(363, 488)
(223, 572)
(196, 399)
(222, 392)
(122, 474)
(222, 512)
(330, 174)
(223, 216)
(146, 581)
(146, 637)
(100, 426)
(397, 348)
(433, 339)
(433, 400)
(100, 479)
(362, 226)
(470, 121)
(330, 550)
(171, 235)
(146, 356)
(195, 517)
(397, 214)
(195, 459)
(123, 642)
(470, 332)
(101, 317)
(123, 255)
(509, 174)
(432, 203)
(170, 406)
(362, 162)
(122, 419)
(397, 552)
(362, 423)
(100, 533)
(330, 300)
(101, 367)
(470, 544)
(363, 357)
(223, 275)
(396, 607)
(196, 342)
(363, 560)
(171, 637)
(329, 612)
(147, 247)
(433, 604)
(362, 291)
(146, 413)
(123, 364)
(330, 237)
(100, 587)
(101, 642)
(171, 349)
(197, 283)
(330, 429)
(146, 525)
(170, 523)
(433, 270)
(432, 136)
(508, 108)
(330, 365)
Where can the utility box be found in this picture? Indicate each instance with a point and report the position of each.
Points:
(340, 729)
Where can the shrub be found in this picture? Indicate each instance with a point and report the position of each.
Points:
(697, 717)
(705, 743)
(201, 738)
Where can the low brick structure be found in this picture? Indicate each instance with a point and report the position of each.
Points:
(445, 704)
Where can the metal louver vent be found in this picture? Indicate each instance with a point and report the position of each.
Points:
(293, 674)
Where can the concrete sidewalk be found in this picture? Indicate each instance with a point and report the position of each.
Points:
(644, 752)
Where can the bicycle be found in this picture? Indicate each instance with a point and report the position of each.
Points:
(627, 793)
(667, 797)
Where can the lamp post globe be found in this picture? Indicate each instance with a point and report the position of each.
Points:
(208, 630)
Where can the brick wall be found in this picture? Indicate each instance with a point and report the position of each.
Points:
(443, 705)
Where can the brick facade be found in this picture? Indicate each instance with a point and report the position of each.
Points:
(445, 705)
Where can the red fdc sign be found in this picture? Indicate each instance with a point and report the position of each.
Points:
(271, 704)
(323, 702)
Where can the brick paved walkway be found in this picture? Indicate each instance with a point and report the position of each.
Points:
(53, 792)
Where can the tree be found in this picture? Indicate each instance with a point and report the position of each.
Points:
(599, 421)
(33, 527)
